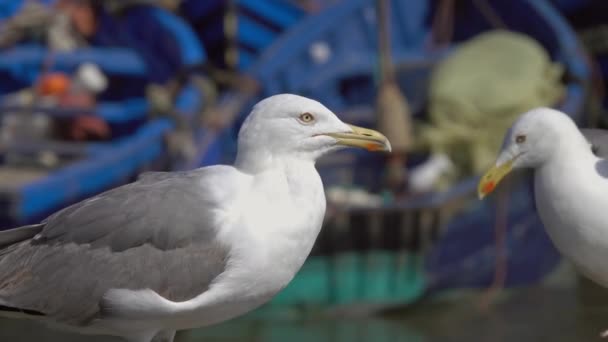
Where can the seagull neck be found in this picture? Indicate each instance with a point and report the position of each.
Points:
(575, 148)
(259, 162)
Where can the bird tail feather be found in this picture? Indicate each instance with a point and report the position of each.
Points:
(134, 304)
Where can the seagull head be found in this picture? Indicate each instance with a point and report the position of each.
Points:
(295, 126)
(535, 138)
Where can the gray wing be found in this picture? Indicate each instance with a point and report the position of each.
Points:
(152, 234)
(11, 236)
(598, 138)
(155, 176)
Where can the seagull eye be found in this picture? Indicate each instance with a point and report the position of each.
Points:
(520, 139)
(307, 118)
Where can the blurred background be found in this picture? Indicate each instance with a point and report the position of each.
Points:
(94, 92)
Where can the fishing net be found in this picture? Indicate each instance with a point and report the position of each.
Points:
(478, 91)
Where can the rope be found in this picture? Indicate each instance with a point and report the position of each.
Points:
(442, 28)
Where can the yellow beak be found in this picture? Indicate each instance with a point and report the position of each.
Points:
(490, 179)
(363, 138)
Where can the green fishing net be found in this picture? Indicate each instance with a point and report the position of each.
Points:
(478, 91)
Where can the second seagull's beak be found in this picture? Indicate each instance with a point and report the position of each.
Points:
(490, 179)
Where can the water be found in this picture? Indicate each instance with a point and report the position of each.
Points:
(560, 310)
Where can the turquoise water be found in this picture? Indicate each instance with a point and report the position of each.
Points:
(562, 310)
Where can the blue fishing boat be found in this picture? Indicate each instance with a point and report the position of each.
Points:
(236, 33)
(588, 18)
(138, 138)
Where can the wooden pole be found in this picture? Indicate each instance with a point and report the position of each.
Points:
(394, 118)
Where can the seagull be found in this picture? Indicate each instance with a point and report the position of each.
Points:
(570, 184)
(182, 250)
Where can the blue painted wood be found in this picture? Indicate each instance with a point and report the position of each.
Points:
(253, 34)
(278, 13)
(110, 163)
(109, 166)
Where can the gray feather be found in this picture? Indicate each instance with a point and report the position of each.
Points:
(598, 138)
(153, 234)
(155, 176)
(135, 214)
(11, 236)
(68, 282)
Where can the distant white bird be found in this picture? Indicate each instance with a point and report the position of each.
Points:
(570, 183)
(188, 249)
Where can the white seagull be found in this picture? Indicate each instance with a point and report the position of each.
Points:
(570, 184)
(181, 250)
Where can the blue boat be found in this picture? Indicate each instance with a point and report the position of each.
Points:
(253, 27)
(588, 18)
(138, 139)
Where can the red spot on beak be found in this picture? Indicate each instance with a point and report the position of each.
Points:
(372, 147)
(489, 187)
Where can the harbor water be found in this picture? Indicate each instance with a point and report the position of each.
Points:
(564, 308)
